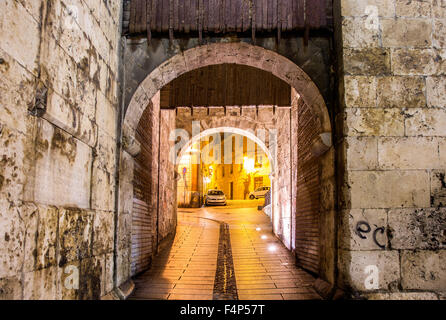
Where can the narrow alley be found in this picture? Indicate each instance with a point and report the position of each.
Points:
(121, 120)
(260, 267)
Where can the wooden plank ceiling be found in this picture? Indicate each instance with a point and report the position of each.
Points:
(223, 16)
(226, 85)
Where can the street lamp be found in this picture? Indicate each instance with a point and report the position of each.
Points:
(248, 164)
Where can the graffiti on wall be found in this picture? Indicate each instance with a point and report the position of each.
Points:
(363, 228)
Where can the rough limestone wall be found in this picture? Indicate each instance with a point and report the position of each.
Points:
(58, 89)
(282, 181)
(393, 148)
(167, 218)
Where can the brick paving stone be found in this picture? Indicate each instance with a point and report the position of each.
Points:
(264, 269)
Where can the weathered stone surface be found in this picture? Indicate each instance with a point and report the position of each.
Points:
(423, 270)
(123, 265)
(90, 278)
(361, 152)
(413, 8)
(103, 232)
(63, 168)
(374, 122)
(10, 288)
(415, 62)
(439, 8)
(47, 163)
(106, 115)
(354, 264)
(59, 71)
(108, 273)
(231, 111)
(23, 46)
(69, 118)
(370, 61)
(249, 112)
(417, 228)
(125, 184)
(200, 112)
(359, 219)
(439, 34)
(401, 92)
(41, 284)
(406, 32)
(33, 8)
(389, 189)
(409, 153)
(14, 150)
(436, 91)
(442, 149)
(360, 91)
(43, 240)
(425, 122)
(266, 113)
(75, 235)
(68, 281)
(86, 93)
(438, 188)
(403, 296)
(384, 8)
(13, 233)
(106, 152)
(102, 189)
(124, 230)
(217, 111)
(409, 144)
(358, 33)
(18, 93)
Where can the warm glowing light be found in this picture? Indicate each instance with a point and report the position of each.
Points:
(207, 180)
(192, 150)
(272, 248)
(248, 164)
(258, 229)
(264, 237)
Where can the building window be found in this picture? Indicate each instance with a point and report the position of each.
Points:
(259, 158)
(258, 182)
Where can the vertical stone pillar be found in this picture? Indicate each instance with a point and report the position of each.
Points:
(392, 145)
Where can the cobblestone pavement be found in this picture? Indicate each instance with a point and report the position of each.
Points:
(253, 263)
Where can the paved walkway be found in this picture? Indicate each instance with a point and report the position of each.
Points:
(224, 253)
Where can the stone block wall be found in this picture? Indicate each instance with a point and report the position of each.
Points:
(392, 129)
(282, 182)
(167, 195)
(58, 115)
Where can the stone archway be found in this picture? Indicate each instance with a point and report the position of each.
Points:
(219, 53)
(315, 248)
(233, 130)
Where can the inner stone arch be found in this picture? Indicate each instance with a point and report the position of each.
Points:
(303, 200)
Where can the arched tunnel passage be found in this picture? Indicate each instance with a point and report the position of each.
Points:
(222, 157)
(302, 184)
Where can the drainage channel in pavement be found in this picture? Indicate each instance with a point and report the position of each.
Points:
(225, 286)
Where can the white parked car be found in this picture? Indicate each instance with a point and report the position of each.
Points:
(259, 193)
(215, 197)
